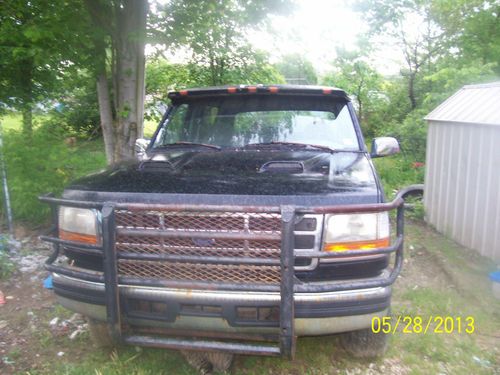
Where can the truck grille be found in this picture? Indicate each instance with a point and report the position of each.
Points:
(199, 272)
(184, 223)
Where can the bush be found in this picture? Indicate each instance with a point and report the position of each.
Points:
(412, 135)
(77, 110)
(397, 172)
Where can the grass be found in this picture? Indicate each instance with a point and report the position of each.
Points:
(41, 164)
(149, 128)
(45, 163)
(130, 361)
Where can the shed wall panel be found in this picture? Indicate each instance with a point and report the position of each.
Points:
(462, 182)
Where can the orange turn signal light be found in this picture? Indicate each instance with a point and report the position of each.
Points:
(357, 245)
(77, 237)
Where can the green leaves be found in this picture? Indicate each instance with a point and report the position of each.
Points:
(39, 40)
(215, 32)
(297, 70)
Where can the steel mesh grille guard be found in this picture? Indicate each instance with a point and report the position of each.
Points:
(199, 272)
(209, 223)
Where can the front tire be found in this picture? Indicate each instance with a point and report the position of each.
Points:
(99, 333)
(365, 343)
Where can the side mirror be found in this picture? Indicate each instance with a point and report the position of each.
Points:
(384, 146)
(141, 144)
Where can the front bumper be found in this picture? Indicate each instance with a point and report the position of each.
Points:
(315, 313)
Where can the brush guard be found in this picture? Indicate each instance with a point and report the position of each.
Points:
(284, 341)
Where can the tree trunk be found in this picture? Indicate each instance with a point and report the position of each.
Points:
(360, 110)
(106, 115)
(131, 21)
(27, 119)
(411, 90)
(122, 110)
(27, 95)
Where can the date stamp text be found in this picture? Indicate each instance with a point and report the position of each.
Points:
(423, 325)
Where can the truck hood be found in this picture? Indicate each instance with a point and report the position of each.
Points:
(239, 172)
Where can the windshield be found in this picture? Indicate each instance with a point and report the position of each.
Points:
(238, 121)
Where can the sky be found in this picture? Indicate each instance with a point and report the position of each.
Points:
(315, 29)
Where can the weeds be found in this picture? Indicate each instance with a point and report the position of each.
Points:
(397, 172)
(7, 267)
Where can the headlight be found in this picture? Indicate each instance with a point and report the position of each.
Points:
(78, 224)
(356, 231)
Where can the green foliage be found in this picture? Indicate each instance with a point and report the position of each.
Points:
(353, 73)
(77, 110)
(411, 134)
(397, 172)
(473, 28)
(215, 33)
(44, 164)
(297, 70)
(37, 43)
(451, 76)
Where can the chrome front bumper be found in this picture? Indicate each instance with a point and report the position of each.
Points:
(315, 313)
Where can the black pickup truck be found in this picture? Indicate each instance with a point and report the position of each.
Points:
(254, 216)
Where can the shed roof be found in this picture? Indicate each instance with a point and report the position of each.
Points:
(473, 104)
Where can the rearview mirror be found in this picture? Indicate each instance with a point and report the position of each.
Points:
(384, 146)
(141, 144)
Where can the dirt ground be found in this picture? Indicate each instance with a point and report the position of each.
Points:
(37, 336)
(27, 341)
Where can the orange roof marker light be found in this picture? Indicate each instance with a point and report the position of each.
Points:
(273, 89)
(252, 89)
(183, 92)
(231, 90)
(327, 91)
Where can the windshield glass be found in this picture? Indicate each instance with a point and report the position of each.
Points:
(238, 121)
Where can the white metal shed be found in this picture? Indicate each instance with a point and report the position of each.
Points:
(462, 178)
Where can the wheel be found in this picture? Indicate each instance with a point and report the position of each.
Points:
(99, 333)
(364, 343)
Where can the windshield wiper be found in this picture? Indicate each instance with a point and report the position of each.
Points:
(301, 145)
(185, 143)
